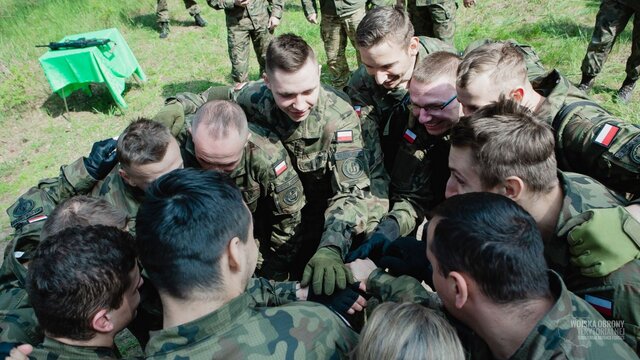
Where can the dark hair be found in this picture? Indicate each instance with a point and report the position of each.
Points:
(75, 273)
(183, 226)
(143, 142)
(385, 22)
(287, 52)
(80, 211)
(507, 140)
(218, 116)
(493, 240)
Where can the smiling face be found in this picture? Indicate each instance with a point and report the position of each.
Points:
(390, 63)
(427, 100)
(296, 93)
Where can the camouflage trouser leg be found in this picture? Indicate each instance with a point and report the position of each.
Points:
(162, 11)
(261, 39)
(435, 20)
(610, 22)
(238, 37)
(192, 6)
(334, 31)
(633, 62)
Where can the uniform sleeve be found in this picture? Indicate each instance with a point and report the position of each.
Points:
(596, 144)
(378, 197)
(277, 8)
(347, 213)
(309, 7)
(401, 289)
(221, 4)
(271, 293)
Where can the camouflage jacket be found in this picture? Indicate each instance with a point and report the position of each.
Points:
(571, 330)
(401, 289)
(258, 11)
(620, 290)
(419, 179)
(341, 8)
(384, 112)
(51, 349)
(589, 140)
(241, 329)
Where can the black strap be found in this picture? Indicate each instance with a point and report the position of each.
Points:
(566, 110)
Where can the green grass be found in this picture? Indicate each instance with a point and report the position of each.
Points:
(35, 139)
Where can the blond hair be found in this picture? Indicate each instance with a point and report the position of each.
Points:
(501, 61)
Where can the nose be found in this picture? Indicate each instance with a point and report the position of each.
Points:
(381, 77)
(299, 103)
(424, 116)
(450, 189)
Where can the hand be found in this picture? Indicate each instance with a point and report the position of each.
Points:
(387, 231)
(608, 239)
(361, 270)
(101, 159)
(328, 271)
(345, 302)
(273, 23)
(313, 18)
(171, 116)
(15, 351)
(408, 256)
(469, 3)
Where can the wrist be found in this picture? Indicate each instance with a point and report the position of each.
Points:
(302, 293)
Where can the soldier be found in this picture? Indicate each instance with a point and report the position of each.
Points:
(218, 137)
(590, 238)
(611, 20)
(435, 18)
(589, 140)
(206, 211)
(248, 19)
(162, 12)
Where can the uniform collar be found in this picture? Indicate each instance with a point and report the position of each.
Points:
(77, 352)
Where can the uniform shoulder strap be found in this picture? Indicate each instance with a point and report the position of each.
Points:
(567, 109)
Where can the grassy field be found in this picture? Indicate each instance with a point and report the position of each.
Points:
(35, 137)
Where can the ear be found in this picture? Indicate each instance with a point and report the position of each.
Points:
(101, 321)
(265, 77)
(235, 254)
(413, 46)
(517, 94)
(461, 288)
(513, 188)
(126, 177)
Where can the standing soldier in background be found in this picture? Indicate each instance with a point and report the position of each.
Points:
(435, 18)
(162, 11)
(248, 20)
(611, 20)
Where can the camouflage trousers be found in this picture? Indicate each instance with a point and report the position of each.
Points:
(611, 20)
(434, 20)
(162, 10)
(238, 37)
(335, 31)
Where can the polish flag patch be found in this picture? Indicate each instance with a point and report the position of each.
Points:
(603, 306)
(37, 218)
(606, 135)
(410, 136)
(343, 136)
(358, 109)
(280, 167)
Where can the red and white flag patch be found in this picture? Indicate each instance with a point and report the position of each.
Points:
(280, 167)
(344, 136)
(410, 136)
(358, 109)
(37, 218)
(606, 135)
(603, 306)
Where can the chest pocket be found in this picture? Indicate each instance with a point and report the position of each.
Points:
(314, 164)
(251, 196)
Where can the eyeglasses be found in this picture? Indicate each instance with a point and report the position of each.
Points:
(432, 107)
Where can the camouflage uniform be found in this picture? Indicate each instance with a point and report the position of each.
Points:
(162, 10)
(433, 18)
(581, 144)
(242, 329)
(401, 289)
(611, 20)
(621, 288)
(51, 349)
(383, 115)
(270, 187)
(244, 23)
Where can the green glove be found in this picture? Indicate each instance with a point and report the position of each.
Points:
(171, 116)
(328, 270)
(608, 239)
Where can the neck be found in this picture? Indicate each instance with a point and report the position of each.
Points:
(545, 209)
(177, 312)
(405, 82)
(505, 327)
(532, 99)
(99, 340)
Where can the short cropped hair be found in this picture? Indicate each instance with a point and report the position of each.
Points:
(288, 53)
(77, 272)
(507, 140)
(187, 219)
(80, 211)
(407, 331)
(143, 142)
(501, 61)
(495, 241)
(390, 23)
(218, 116)
(435, 66)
